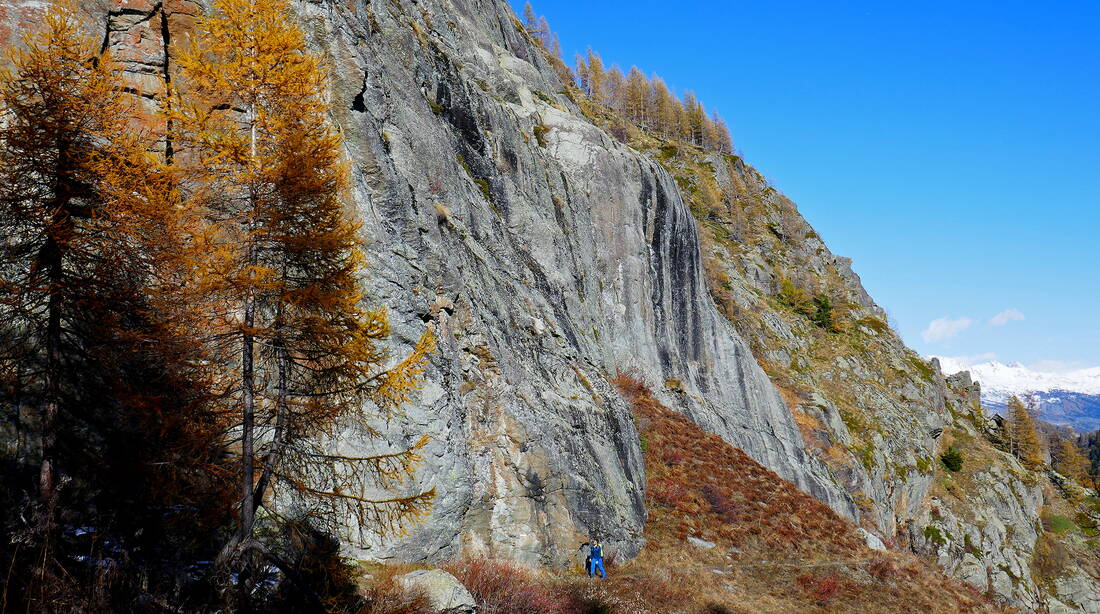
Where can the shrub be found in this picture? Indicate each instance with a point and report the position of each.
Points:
(934, 535)
(385, 597)
(820, 590)
(540, 134)
(882, 568)
(796, 298)
(823, 314)
(720, 504)
(500, 587)
(952, 459)
(1051, 557)
(668, 495)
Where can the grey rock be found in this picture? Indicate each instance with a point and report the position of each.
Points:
(565, 265)
(445, 593)
(874, 542)
(701, 544)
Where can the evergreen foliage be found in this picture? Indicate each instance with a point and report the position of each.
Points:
(182, 323)
(648, 103)
(952, 459)
(644, 101)
(276, 260)
(1071, 462)
(110, 400)
(1022, 436)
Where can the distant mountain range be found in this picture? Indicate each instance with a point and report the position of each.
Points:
(1071, 399)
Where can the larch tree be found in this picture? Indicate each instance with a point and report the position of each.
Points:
(530, 20)
(636, 97)
(278, 265)
(597, 77)
(88, 302)
(664, 107)
(64, 112)
(548, 38)
(695, 118)
(580, 69)
(711, 135)
(1071, 462)
(612, 89)
(725, 141)
(1023, 438)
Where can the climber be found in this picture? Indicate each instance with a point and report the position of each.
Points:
(594, 560)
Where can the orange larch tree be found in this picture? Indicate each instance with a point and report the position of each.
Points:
(278, 265)
(1023, 437)
(88, 308)
(64, 113)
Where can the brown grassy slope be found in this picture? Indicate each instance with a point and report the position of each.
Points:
(778, 549)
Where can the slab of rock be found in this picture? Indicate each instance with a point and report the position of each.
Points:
(701, 544)
(444, 592)
(873, 542)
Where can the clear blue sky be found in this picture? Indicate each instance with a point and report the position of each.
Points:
(952, 149)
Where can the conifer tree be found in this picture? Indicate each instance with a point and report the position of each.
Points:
(1023, 438)
(664, 107)
(64, 113)
(636, 97)
(530, 20)
(695, 119)
(725, 141)
(581, 70)
(89, 305)
(1071, 462)
(597, 77)
(278, 263)
(711, 135)
(613, 88)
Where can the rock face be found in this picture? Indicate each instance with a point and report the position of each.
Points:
(546, 255)
(549, 257)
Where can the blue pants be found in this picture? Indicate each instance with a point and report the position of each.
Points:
(596, 564)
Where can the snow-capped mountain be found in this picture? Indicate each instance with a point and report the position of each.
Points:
(1071, 398)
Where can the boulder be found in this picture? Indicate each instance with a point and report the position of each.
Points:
(444, 592)
(701, 544)
(873, 542)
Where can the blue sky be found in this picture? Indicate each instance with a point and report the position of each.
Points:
(952, 149)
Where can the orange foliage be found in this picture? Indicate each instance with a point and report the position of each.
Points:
(276, 260)
(91, 320)
(779, 549)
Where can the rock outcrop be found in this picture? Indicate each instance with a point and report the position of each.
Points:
(550, 257)
(547, 256)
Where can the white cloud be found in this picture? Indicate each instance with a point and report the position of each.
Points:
(942, 329)
(1006, 316)
(1056, 366)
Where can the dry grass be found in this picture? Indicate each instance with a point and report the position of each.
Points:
(501, 587)
(382, 595)
(778, 550)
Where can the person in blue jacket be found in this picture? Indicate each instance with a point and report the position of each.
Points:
(595, 558)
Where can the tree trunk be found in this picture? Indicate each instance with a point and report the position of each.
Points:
(248, 415)
(282, 411)
(47, 479)
(248, 508)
